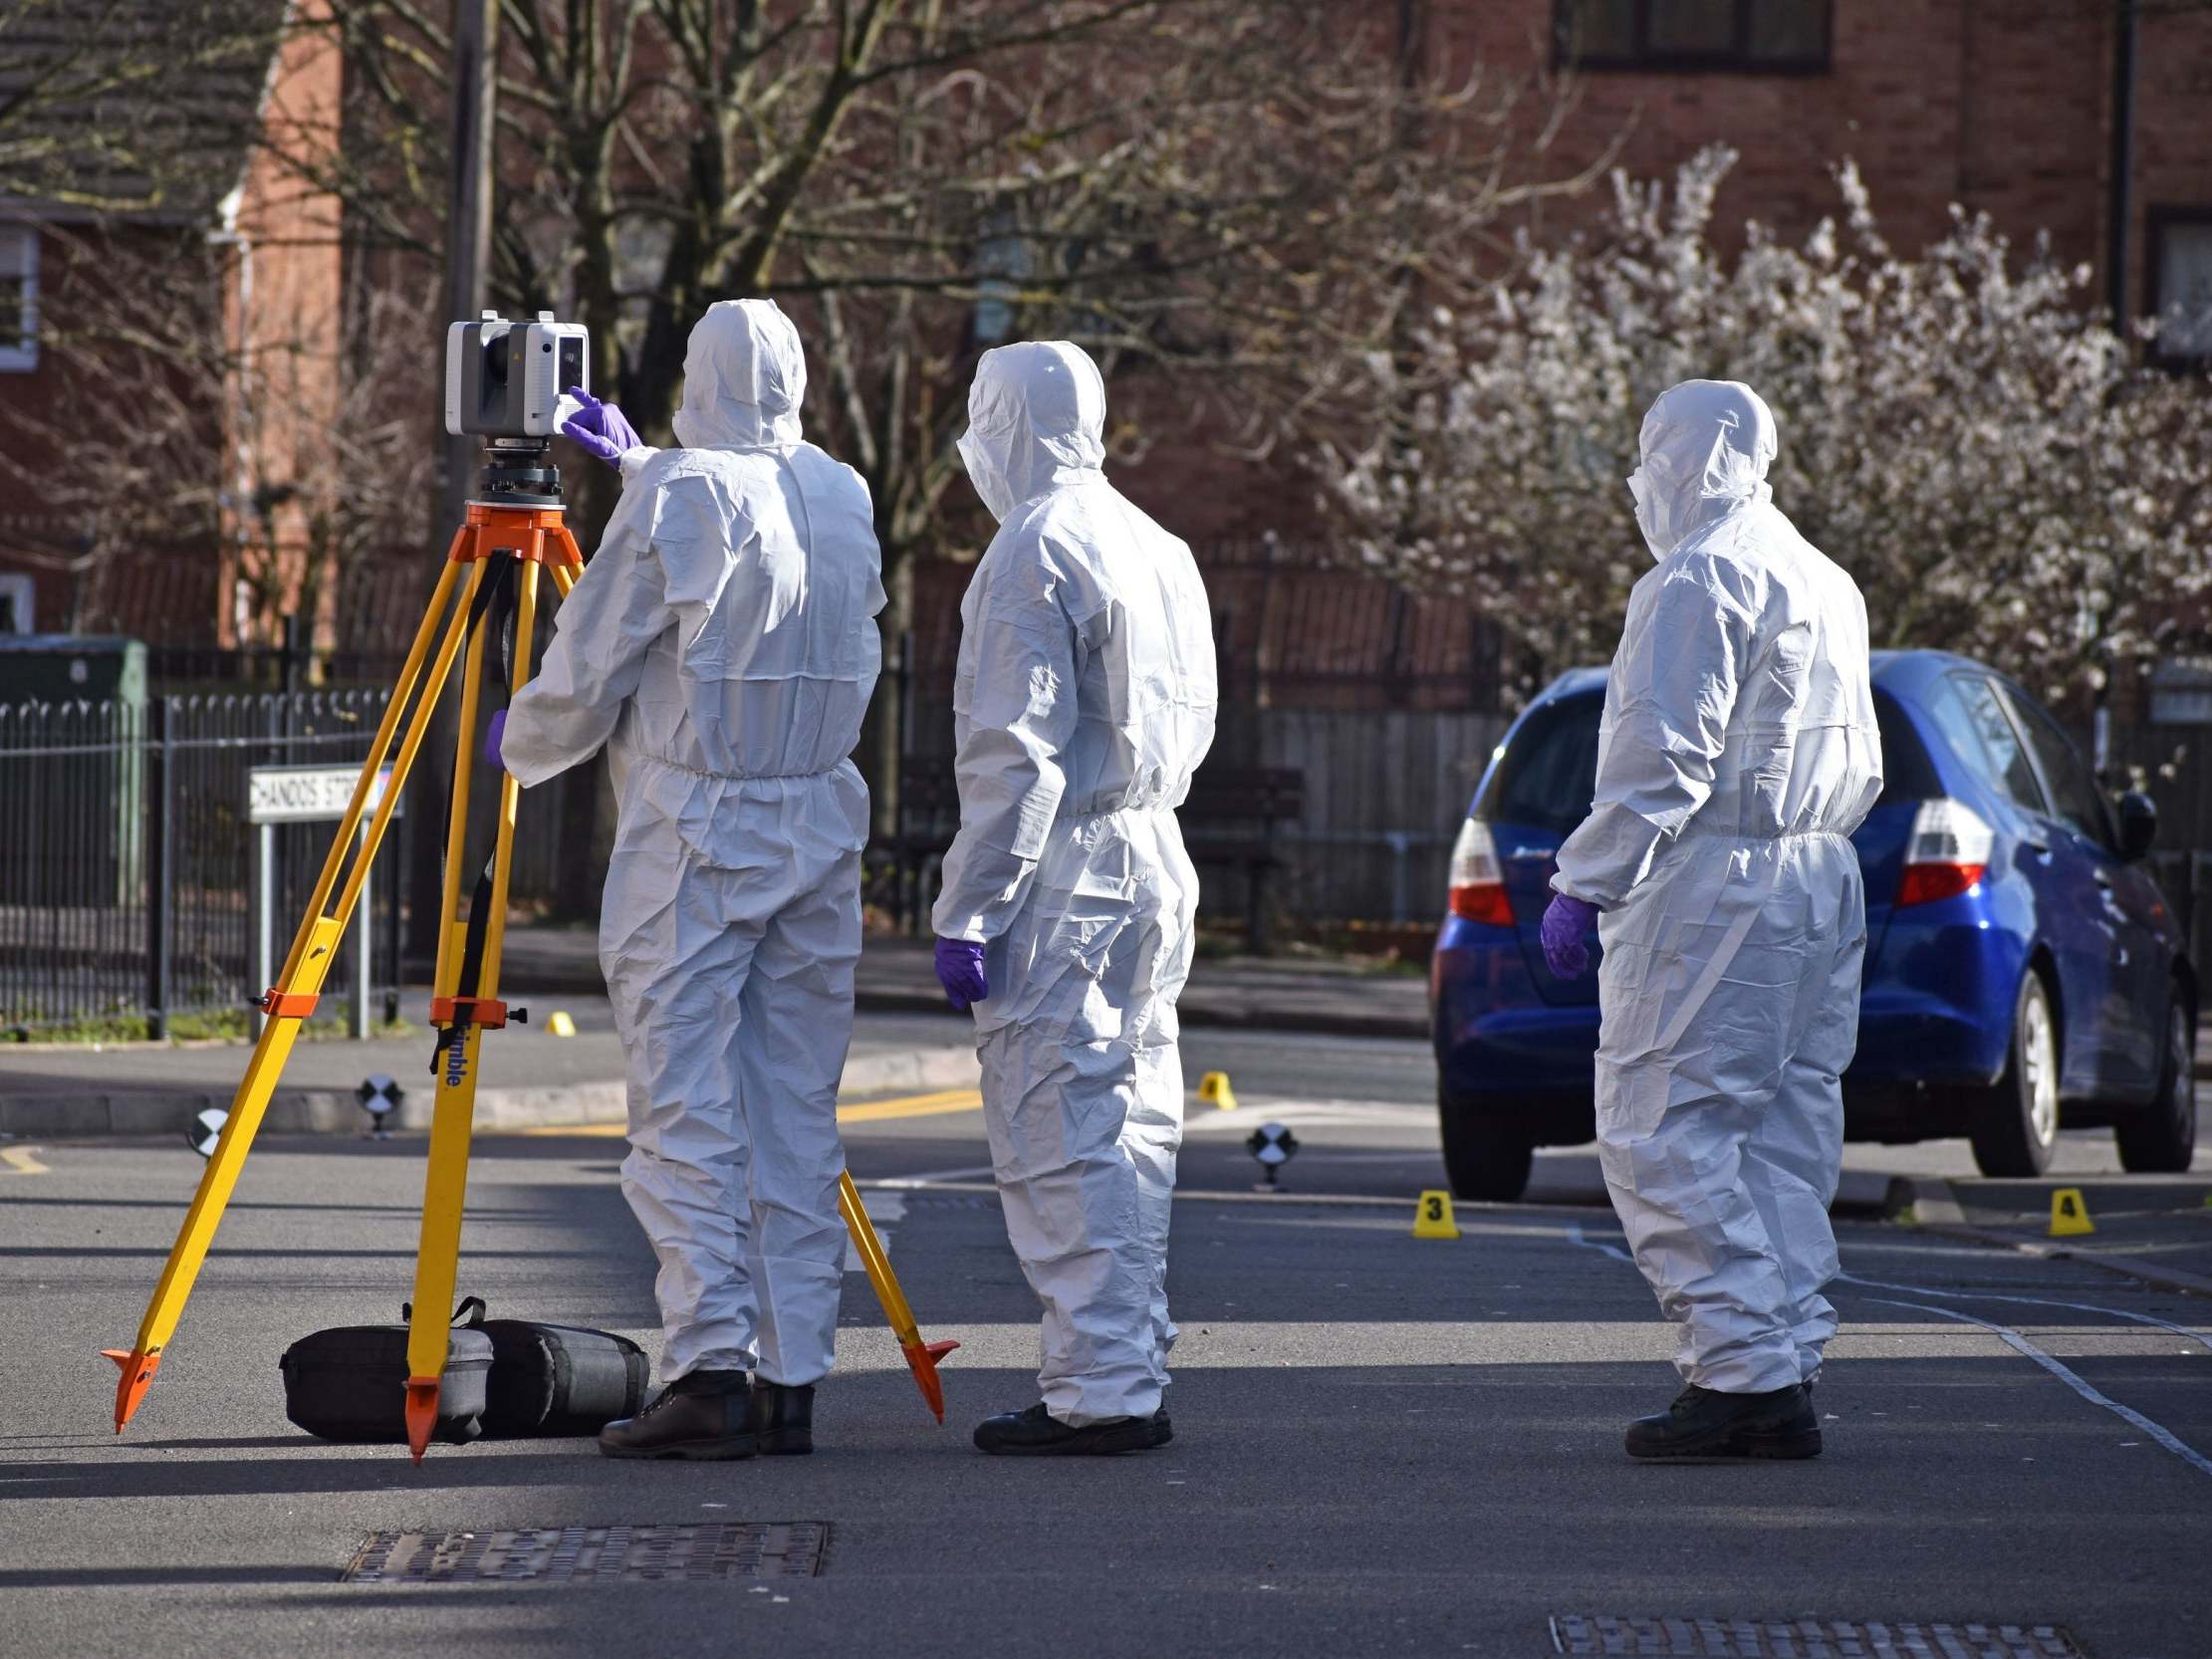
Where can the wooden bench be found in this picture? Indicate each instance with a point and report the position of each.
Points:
(1231, 820)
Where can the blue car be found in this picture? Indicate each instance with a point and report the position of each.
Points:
(2023, 969)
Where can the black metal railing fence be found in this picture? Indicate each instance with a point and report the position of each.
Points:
(128, 867)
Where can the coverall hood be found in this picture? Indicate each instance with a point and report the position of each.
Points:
(1036, 419)
(1706, 446)
(744, 377)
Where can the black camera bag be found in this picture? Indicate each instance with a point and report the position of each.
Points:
(558, 1379)
(351, 1383)
(502, 1377)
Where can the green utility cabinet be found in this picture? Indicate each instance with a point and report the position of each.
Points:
(73, 739)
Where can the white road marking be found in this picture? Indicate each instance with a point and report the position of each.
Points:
(20, 1161)
(2071, 1378)
(1256, 1110)
(1576, 1235)
(2012, 1339)
(914, 1183)
(2196, 1336)
(884, 1208)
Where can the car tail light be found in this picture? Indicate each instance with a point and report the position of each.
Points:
(1948, 854)
(1477, 879)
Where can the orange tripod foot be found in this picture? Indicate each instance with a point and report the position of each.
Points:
(423, 1413)
(137, 1371)
(921, 1359)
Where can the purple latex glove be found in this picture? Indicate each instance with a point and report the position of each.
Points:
(960, 972)
(1565, 923)
(495, 733)
(601, 428)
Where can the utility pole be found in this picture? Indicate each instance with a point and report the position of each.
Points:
(468, 212)
(468, 247)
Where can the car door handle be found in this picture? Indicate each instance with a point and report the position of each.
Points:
(2037, 850)
(2102, 881)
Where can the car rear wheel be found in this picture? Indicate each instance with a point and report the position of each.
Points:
(1483, 1159)
(2015, 1126)
(2162, 1139)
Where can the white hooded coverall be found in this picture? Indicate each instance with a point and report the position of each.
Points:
(1085, 700)
(1737, 753)
(722, 645)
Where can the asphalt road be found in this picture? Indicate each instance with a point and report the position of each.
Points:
(1384, 1446)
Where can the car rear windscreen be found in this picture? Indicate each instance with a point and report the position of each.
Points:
(1549, 771)
(1906, 772)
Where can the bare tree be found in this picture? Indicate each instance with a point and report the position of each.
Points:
(1247, 190)
(290, 451)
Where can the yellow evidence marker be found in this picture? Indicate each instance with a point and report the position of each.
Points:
(1432, 1217)
(1215, 1086)
(558, 1023)
(2070, 1214)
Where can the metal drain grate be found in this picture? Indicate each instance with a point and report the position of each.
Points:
(572, 1554)
(1714, 1638)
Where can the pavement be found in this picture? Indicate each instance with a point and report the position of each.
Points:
(1384, 1446)
(531, 1078)
(1292, 991)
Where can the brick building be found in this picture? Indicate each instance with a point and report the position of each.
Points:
(2007, 105)
(151, 183)
(2001, 106)
(1998, 106)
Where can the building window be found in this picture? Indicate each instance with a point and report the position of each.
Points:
(2178, 276)
(19, 299)
(15, 603)
(1760, 37)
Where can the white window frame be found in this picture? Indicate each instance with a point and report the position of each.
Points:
(19, 257)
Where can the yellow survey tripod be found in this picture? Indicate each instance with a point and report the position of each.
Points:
(493, 565)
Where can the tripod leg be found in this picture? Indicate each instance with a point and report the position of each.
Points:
(313, 950)
(445, 1180)
(921, 1358)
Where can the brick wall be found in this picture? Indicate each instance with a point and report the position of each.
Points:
(1997, 104)
(282, 304)
(2000, 105)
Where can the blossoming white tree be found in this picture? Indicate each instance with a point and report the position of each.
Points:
(1961, 430)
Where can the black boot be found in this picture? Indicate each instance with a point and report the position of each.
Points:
(1703, 1424)
(701, 1417)
(781, 1418)
(1037, 1433)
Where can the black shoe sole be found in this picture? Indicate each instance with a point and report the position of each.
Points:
(686, 1451)
(786, 1443)
(1738, 1446)
(1141, 1435)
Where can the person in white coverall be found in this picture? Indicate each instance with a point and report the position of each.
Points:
(1085, 700)
(1738, 753)
(722, 645)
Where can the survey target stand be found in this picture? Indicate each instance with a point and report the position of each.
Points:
(514, 531)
